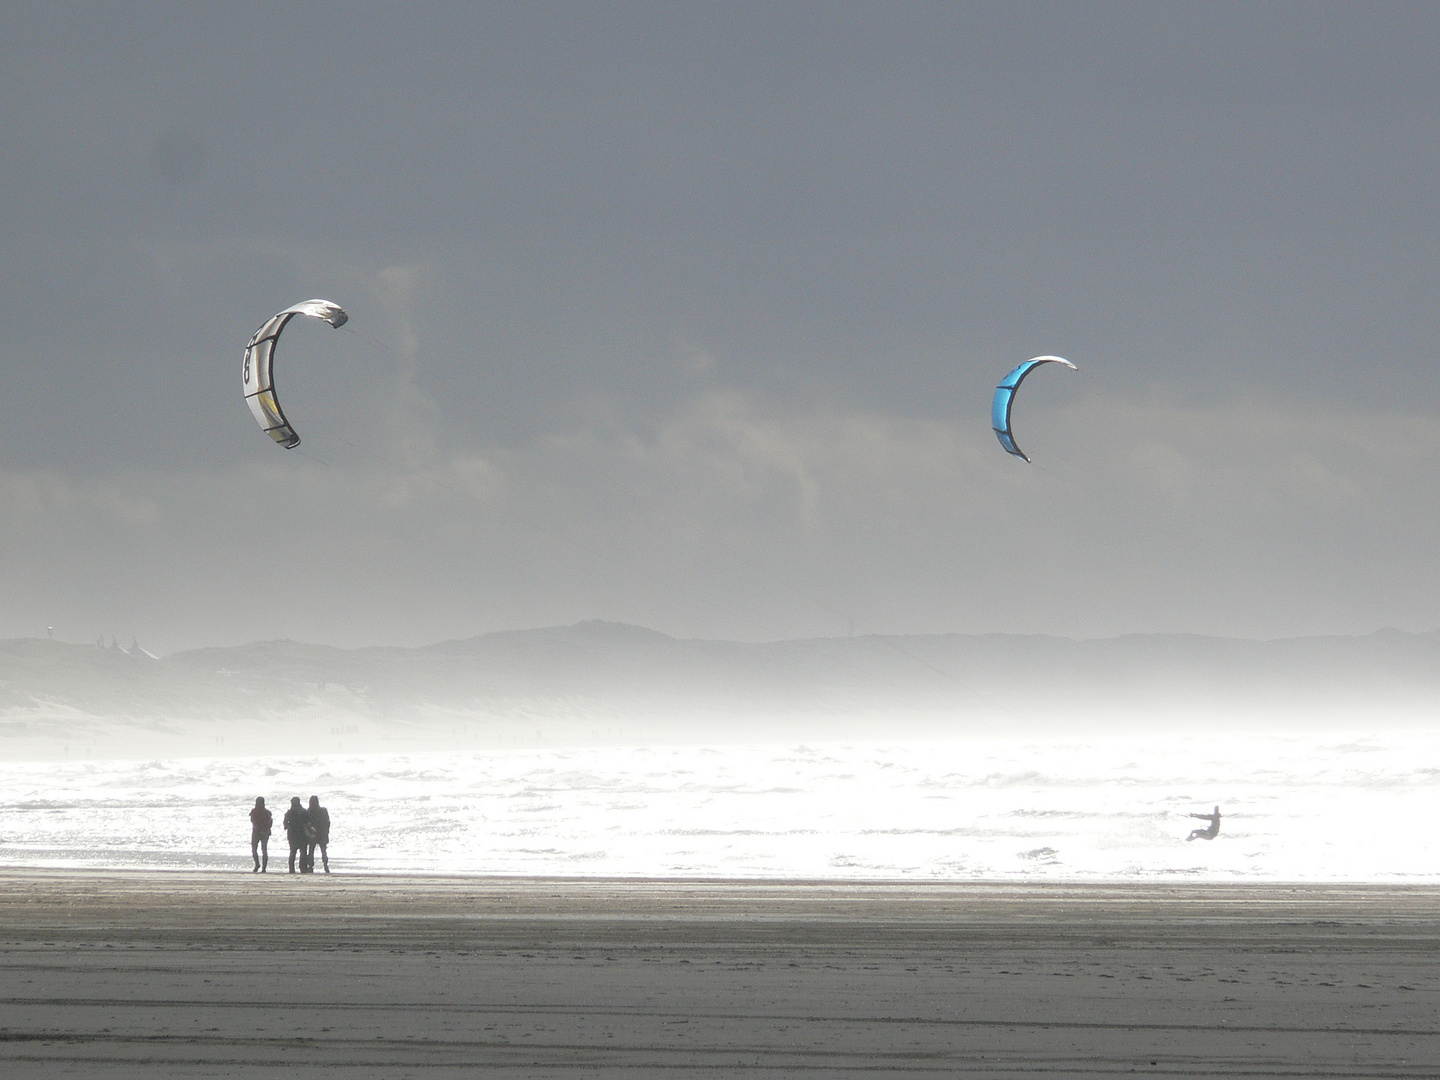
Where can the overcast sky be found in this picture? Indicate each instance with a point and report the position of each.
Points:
(689, 316)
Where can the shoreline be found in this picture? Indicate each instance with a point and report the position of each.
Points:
(1155, 880)
(1429, 885)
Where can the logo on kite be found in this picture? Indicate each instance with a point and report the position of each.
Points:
(257, 377)
(1005, 398)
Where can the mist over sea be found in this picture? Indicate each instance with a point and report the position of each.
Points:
(1301, 808)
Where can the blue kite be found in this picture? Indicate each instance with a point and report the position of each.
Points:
(1005, 397)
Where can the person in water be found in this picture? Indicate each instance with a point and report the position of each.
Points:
(319, 819)
(295, 823)
(260, 822)
(1210, 832)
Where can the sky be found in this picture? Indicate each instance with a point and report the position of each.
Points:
(689, 316)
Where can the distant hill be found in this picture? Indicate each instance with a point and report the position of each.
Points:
(605, 682)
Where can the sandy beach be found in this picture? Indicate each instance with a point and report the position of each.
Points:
(197, 975)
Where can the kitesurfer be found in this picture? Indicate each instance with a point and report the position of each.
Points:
(319, 819)
(1211, 831)
(295, 822)
(260, 822)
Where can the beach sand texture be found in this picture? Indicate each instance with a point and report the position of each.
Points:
(206, 975)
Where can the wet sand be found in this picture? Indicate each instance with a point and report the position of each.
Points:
(236, 975)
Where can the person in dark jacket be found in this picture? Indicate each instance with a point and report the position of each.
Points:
(295, 822)
(319, 819)
(260, 822)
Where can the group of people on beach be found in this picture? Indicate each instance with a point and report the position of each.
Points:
(306, 827)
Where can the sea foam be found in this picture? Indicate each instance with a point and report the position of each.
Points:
(1321, 808)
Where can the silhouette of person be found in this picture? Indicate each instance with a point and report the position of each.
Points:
(1211, 831)
(307, 852)
(295, 832)
(319, 819)
(260, 822)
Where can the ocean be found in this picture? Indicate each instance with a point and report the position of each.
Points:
(1295, 808)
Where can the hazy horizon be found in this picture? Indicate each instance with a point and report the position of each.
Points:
(689, 318)
(108, 641)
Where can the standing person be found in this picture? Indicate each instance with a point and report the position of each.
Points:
(295, 832)
(260, 822)
(1209, 833)
(320, 822)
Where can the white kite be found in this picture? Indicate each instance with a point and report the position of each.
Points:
(260, 355)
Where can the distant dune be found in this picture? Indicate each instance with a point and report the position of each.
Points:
(599, 681)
